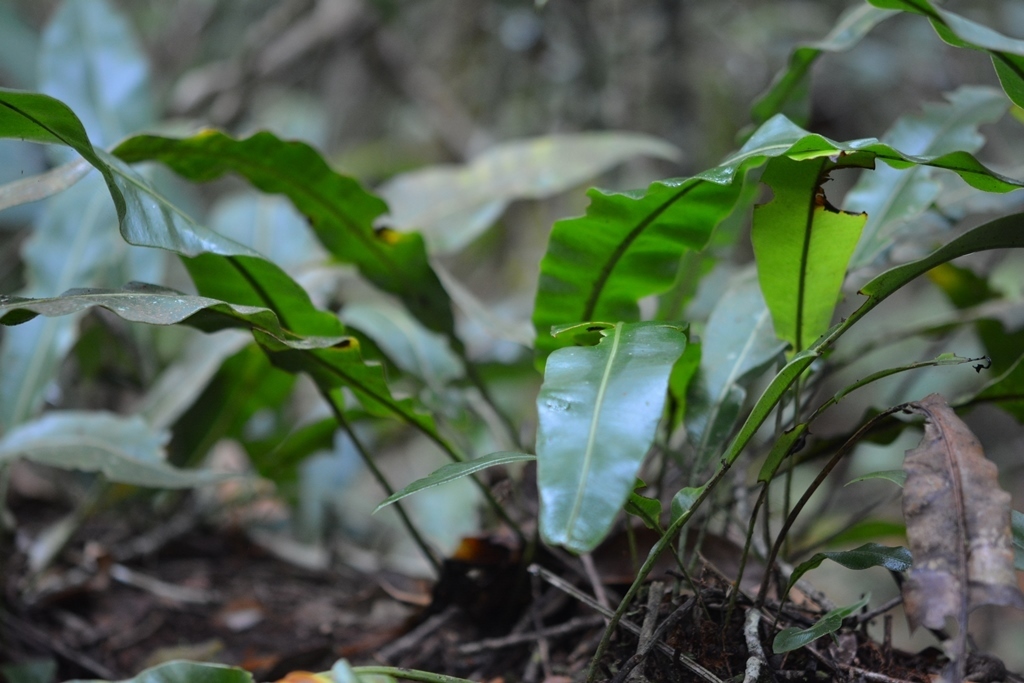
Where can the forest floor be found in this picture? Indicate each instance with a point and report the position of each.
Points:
(116, 604)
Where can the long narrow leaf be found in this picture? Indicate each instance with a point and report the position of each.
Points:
(789, 91)
(802, 246)
(891, 197)
(453, 471)
(1003, 233)
(1007, 53)
(598, 410)
(340, 211)
(738, 343)
(161, 306)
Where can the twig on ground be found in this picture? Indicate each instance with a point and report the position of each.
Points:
(571, 626)
(756, 658)
(416, 636)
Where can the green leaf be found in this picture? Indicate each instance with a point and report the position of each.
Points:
(455, 470)
(788, 442)
(1003, 233)
(737, 345)
(340, 211)
(1007, 53)
(895, 559)
(684, 500)
(889, 196)
(188, 672)
(628, 245)
(342, 365)
(452, 205)
(412, 347)
(41, 118)
(790, 89)
(647, 509)
(91, 61)
(802, 246)
(598, 410)
(793, 638)
(154, 305)
(898, 477)
(124, 449)
(73, 244)
(254, 281)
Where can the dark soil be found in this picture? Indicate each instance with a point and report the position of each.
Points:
(110, 608)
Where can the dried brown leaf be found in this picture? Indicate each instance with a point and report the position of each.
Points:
(958, 526)
(958, 523)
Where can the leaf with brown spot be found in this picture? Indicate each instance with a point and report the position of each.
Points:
(958, 525)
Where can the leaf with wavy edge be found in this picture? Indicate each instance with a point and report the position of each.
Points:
(154, 305)
(788, 92)
(793, 638)
(891, 197)
(1007, 53)
(628, 245)
(598, 411)
(340, 211)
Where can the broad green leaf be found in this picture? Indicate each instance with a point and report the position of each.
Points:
(340, 211)
(889, 196)
(73, 244)
(1003, 233)
(41, 118)
(455, 470)
(898, 477)
(628, 245)
(794, 638)
(738, 343)
(254, 281)
(452, 205)
(342, 365)
(895, 559)
(123, 449)
(598, 410)
(91, 61)
(802, 246)
(790, 90)
(155, 305)
(679, 382)
(409, 345)
(152, 220)
(187, 672)
(1007, 53)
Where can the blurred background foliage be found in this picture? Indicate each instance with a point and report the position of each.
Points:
(385, 87)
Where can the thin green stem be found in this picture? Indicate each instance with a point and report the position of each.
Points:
(652, 557)
(339, 415)
(825, 471)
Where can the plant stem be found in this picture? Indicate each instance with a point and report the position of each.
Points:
(407, 674)
(339, 415)
(652, 557)
(791, 518)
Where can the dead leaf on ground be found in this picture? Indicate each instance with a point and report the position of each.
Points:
(958, 525)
